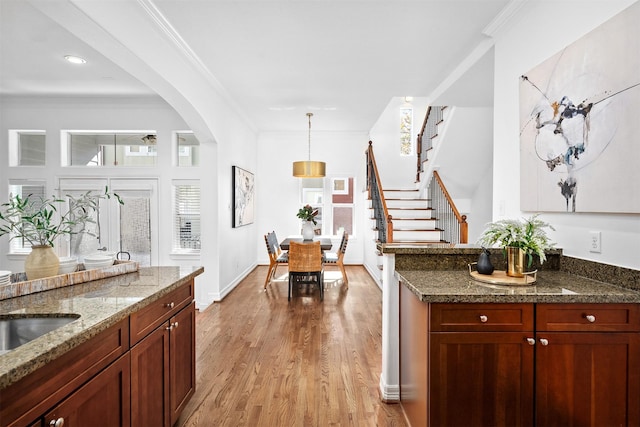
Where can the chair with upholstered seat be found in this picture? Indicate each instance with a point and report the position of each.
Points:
(337, 257)
(305, 265)
(276, 256)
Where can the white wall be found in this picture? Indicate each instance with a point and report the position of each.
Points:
(396, 171)
(278, 192)
(542, 30)
(226, 253)
(464, 162)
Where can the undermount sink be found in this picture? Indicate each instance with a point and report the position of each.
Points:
(16, 331)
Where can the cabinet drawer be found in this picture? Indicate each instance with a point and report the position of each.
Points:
(481, 317)
(588, 317)
(150, 317)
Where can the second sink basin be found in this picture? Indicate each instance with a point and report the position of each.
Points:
(16, 331)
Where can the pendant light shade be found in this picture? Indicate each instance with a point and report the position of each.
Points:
(309, 168)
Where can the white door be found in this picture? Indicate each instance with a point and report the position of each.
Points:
(125, 229)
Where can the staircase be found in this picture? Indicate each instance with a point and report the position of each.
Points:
(406, 216)
(412, 217)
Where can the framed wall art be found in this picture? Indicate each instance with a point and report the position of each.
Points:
(579, 127)
(243, 197)
(340, 186)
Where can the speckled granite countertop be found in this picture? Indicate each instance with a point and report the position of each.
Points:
(100, 304)
(448, 286)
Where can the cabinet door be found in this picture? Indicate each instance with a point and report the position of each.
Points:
(413, 357)
(103, 401)
(150, 379)
(182, 359)
(588, 379)
(481, 379)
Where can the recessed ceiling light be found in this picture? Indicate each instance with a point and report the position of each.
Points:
(75, 59)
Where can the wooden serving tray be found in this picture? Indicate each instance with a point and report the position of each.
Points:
(499, 277)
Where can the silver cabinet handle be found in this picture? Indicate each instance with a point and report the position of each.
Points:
(57, 423)
(531, 341)
(483, 318)
(544, 341)
(590, 318)
(172, 326)
(170, 305)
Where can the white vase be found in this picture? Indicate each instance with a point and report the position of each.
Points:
(41, 262)
(307, 230)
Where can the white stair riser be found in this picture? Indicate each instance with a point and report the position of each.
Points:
(413, 236)
(399, 194)
(410, 213)
(413, 224)
(408, 203)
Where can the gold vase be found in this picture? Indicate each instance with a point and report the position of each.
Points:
(41, 262)
(515, 262)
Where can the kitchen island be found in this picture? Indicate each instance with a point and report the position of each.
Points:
(134, 336)
(562, 351)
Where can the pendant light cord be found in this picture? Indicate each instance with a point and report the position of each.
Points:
(309, 148)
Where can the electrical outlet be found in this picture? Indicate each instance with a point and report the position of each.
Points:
(595, 242)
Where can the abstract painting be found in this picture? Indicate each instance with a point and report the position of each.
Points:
(243, 197)
(579, 123)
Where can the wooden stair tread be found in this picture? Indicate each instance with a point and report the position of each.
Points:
(409, 209)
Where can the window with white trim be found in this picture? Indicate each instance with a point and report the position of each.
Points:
(92, 148)
(186, 216)
(27, 147)
(188, 149)
(406, 128)
(34, 190)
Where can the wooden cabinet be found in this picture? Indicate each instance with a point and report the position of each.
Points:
(589, 376)
(139, 372)
(163, 364)
(413, 356)
(491, 364)
(103, 401)
(182, 361)
(28, 399)
(481, 365)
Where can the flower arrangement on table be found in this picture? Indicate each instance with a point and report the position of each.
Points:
(529, 235)
(307, 213)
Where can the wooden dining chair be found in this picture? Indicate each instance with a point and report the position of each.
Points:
(305, 264)
(337, 257)
(276, 256)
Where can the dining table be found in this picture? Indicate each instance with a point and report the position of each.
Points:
(325, 242)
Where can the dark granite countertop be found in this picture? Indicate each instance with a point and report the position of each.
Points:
(100, 304)
(455, 286)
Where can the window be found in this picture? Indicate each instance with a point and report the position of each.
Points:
(188, 149)
(122, 228)
(109, 148)
(334, 199)
(406, 128)
(27, 147)
(342, 205)
(186, 216)
(35, 190)
(312, 193)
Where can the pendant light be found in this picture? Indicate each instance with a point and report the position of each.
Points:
(308, 168)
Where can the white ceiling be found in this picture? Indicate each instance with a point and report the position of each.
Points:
(343, 60)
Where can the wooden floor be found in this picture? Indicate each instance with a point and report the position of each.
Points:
(263, 361)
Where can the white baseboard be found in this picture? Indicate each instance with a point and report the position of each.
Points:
(389, 393)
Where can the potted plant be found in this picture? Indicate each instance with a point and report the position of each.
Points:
(308, 215)
(40, 221)
(518, 238)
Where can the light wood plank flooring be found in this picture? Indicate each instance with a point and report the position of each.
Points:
(264, 361)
